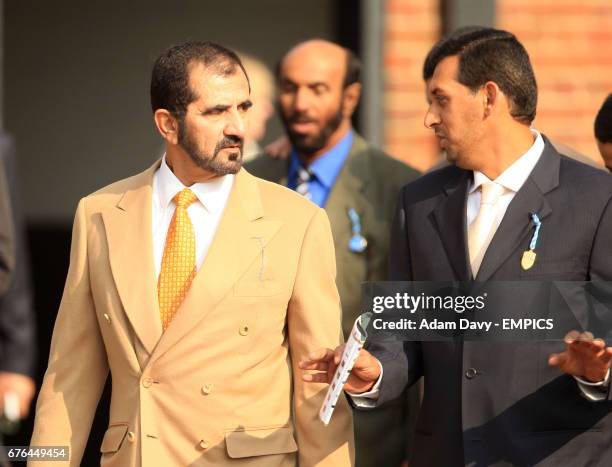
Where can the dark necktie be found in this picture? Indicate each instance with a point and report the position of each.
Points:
(304, 176)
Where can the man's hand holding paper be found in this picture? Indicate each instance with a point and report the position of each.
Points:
(364, 375)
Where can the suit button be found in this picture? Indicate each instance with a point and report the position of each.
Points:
(207, 389)
(147, 382)
(244, 330)
(471, 373)
(131, 436)
(204, 444)
(107, 318)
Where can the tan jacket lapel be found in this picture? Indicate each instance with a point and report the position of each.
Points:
(240, 238)
(128, 230)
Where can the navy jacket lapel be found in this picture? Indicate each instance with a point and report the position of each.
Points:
(516, 223)
(449, 218)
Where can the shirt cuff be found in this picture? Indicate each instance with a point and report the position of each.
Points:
(594, 391)
(368, 399)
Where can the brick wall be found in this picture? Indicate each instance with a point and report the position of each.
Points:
(570, 44)
(411, 28)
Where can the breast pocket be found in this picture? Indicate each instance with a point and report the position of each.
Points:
(555, 270)
(263, 278)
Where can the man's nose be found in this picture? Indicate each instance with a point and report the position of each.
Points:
(237, 125)
(431, 119)
(301, 102)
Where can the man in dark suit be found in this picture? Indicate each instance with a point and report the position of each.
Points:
(7, 253)
(603, 131)
(17, 341)
(495, 403)
(357, 184)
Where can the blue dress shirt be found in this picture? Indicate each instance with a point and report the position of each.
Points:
(325, 170)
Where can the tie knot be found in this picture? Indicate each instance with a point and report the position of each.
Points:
(184, 198)
(491, 192)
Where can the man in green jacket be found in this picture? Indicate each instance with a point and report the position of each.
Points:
(357, 185)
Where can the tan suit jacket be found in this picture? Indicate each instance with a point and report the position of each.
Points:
(221, 386)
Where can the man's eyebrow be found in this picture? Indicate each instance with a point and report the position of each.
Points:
(216, 108)
(313, 84)
(435, 92)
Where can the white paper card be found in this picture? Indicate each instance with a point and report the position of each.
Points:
(351, 351)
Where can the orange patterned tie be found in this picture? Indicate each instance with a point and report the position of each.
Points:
(178, 263)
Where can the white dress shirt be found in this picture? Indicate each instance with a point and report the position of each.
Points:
(204, 214)
(512, 179)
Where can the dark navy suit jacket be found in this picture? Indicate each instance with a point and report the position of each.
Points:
(510, 408)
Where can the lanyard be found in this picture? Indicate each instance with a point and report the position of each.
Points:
(357, 243)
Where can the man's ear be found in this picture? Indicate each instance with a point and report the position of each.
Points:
(350, 99)
(491, 95)
(167, 125)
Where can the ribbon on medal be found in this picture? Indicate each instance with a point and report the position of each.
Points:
(529, 256)
(357, 243)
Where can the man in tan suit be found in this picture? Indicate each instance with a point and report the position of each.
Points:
(199, 300)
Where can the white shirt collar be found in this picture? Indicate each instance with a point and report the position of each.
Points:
(211, 194)
(515, 176)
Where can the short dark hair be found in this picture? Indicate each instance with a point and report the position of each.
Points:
(353, 68)
(487, 54)
(170, 76)
(603, 122)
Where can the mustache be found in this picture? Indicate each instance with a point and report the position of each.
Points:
(230, 141)
(300, 118)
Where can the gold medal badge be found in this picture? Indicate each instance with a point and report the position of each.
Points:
(529, 256)
(528, 259)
